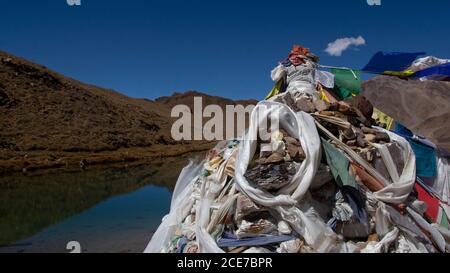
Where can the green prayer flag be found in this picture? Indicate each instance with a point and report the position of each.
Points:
(338, 164)
(346, 82)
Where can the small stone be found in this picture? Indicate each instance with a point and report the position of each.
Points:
(271, 177)
(397, 156)
(367, 122)
(349, 134)
(333, 106)
(344, 107)
(327, 113)
(381, 136)
(362, 105)
(321, 105)
(358, 131)
(293, 150)
(305, 105)
(248, 210)
(291, 140)
(370, 137)
(379, 165)
(301, 153)
(275, 158)
(261, 161)
(351, 142)
(353, 121)
(361, 141)
(367, 130)
(284, 228)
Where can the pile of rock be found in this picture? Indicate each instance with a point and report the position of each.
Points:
(360, 200)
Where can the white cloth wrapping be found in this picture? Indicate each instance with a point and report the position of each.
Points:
(292, 203)
(278, 73)
(288, 202)
(210, 190)
(403, 183)
(182, 202)
(298, 87)
(441, 185)
(325, 78)
(383, 245)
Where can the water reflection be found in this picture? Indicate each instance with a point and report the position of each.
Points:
(106, 210)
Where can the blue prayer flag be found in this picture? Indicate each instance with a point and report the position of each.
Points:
(435, 73)
(390, 61)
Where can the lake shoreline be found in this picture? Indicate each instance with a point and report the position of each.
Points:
(105, 208)
(43, 162)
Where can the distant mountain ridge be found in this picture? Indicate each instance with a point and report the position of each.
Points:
(186, 99)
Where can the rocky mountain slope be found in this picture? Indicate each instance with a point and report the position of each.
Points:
(49, 120)
(423, 107)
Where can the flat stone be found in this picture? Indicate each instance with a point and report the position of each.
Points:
(248, 210)
(271, 177)
(274, 158)
(370, 137)
(291, 140)
(284, 228)
(301, 153)
(361, 142)
(397, 156)
(328, 113)
(381, 136)
(351, 142)
(378, 164)
(349, 134)
(305, 105)
(362, 104)
(344, 107)
(367, 130)
(293, 150)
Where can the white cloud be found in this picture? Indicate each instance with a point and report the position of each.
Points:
(340, 45)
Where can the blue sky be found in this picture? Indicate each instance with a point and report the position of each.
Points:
(149, 49)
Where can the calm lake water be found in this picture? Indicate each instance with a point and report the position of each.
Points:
(106, 210)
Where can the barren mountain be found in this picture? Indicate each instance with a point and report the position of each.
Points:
(423, 107)
(48, 120)
(186, 99)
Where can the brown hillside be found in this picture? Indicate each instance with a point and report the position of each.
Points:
(50, 117)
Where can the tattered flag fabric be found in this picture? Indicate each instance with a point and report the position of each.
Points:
(383, 118)
(346, 82)
(434, 73)
(431, 201)
(278, 88)
(391, 61)
(401, 74)
(339, 165)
